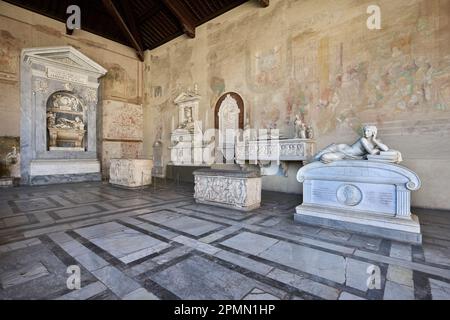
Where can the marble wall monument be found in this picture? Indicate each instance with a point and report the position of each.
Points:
(187, 146)
(228, 184)
(59, 95)
(360, 188)
(229, 117)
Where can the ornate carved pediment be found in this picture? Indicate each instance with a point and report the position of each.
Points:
(63, 57)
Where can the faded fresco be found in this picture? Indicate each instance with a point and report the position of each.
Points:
(121, 82)
(318, 59)
(9, 53)
(122, 121)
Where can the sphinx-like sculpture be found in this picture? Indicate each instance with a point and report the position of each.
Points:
(368, 147)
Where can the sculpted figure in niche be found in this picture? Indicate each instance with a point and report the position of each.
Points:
(79, 125)
(300, 128)
(367, 147)
(64, 123)
(188, 123)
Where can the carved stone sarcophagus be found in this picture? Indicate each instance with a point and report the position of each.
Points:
(59, 137)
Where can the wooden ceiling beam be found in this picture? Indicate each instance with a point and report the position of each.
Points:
(130, 20)
(131, 36)
(187, 25)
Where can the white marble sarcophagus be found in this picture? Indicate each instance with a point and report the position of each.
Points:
(235, 189)
(363, 196)
(131, 173)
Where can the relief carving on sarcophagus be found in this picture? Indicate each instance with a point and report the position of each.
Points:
(66, 122)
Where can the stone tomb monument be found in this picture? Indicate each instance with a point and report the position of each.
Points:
(228, 185)
(130, 173)
(187, 147)
(344, 190)
(59, 95)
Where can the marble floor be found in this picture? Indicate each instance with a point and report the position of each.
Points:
(156, 243)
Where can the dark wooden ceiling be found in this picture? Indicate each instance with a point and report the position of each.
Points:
(140, 24)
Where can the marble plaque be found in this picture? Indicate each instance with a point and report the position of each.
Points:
(377, 198)
(64, 75)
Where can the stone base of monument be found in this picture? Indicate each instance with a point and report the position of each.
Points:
(367, 197)
(228, 187)
(403, 230)
(130, 173)
(6, 182)
(55, 171)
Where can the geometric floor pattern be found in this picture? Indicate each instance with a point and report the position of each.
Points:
(157, 243)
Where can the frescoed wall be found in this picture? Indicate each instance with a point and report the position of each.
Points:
(319, 59)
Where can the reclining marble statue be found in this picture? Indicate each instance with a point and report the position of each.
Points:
(366, 147)
(360, 188)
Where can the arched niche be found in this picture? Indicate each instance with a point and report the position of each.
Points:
(240, 103)
(66, 121)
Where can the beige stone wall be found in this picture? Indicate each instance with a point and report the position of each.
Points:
(318, 59)
(122, 85)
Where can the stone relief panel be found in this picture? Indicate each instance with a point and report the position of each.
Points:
(241, 193)
(41, 85)
(131, 172)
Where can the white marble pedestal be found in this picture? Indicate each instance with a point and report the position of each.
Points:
(363, 196)
(6, 182)
(51, 171)
(235, 189)
(131, 173)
